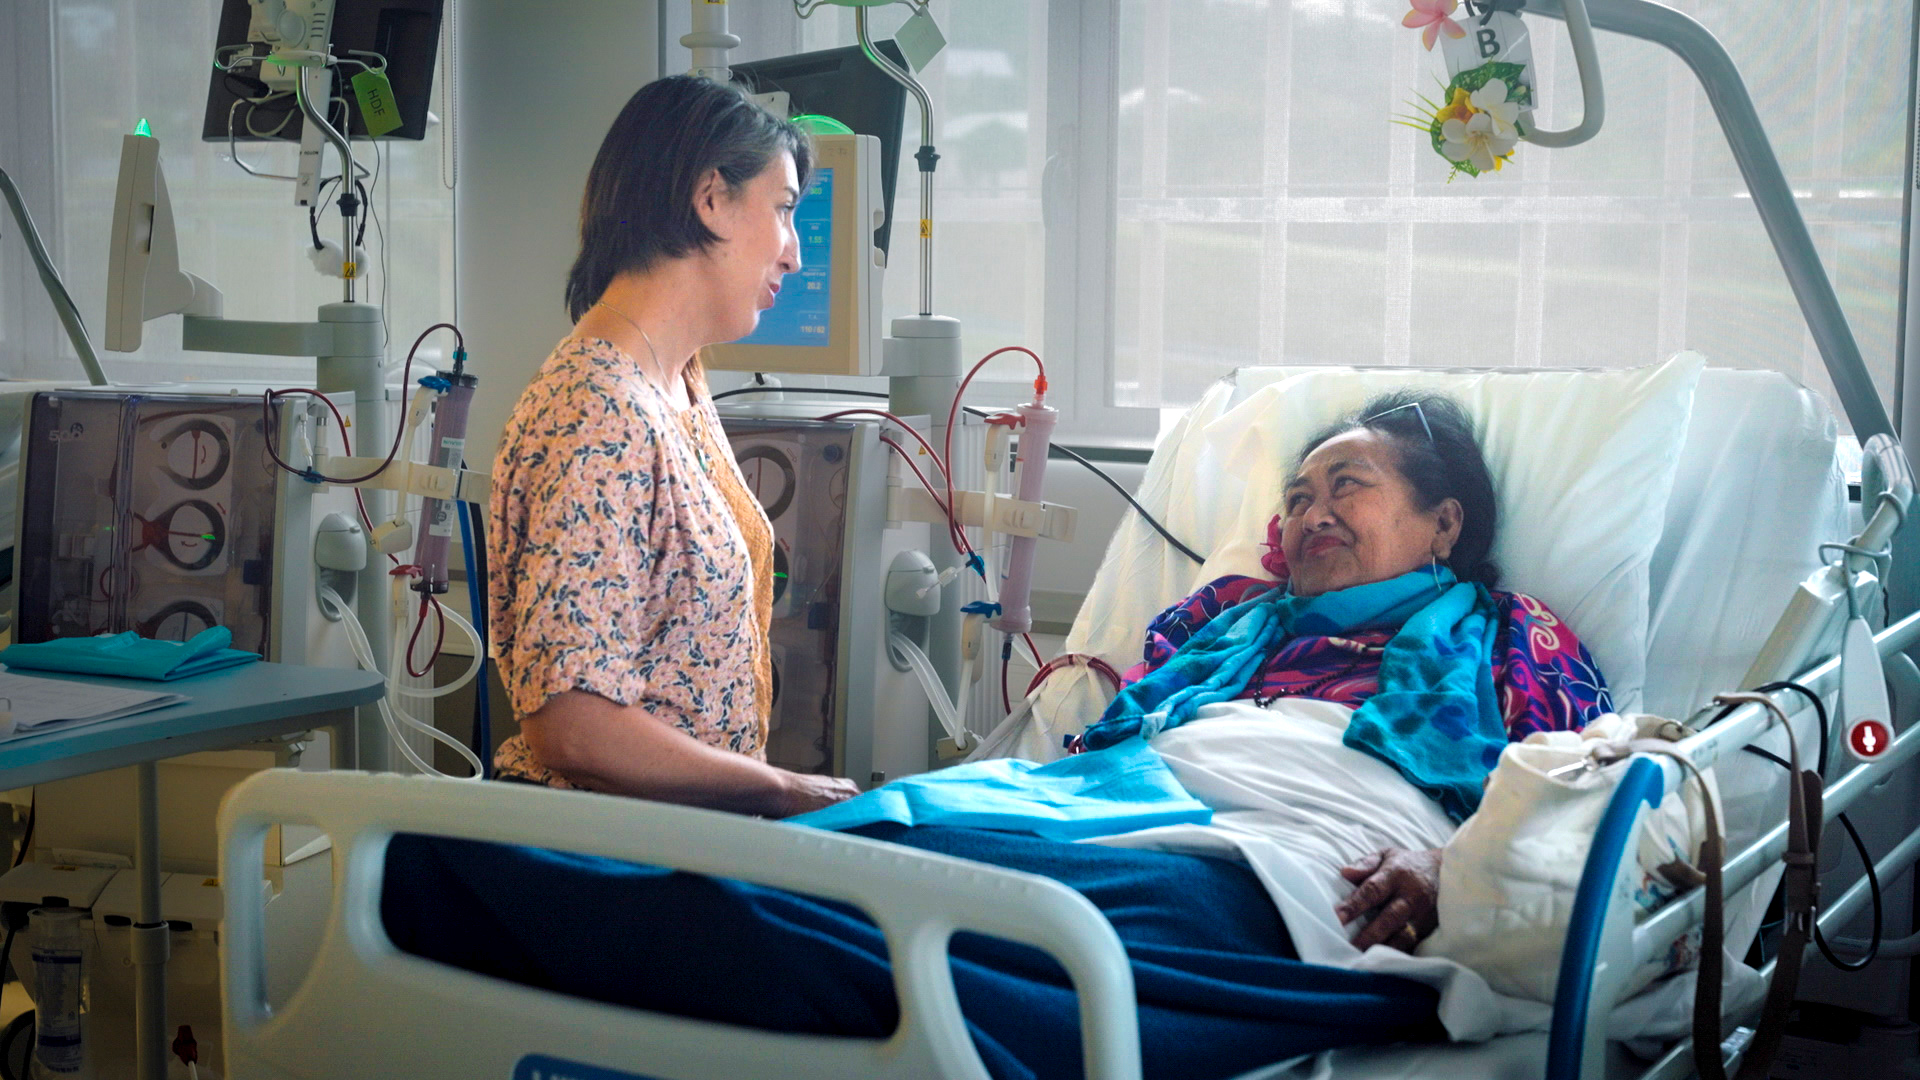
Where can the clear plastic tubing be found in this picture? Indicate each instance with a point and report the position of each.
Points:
(1036, 438)
(60, 994)
(936, 693)
(438, 522)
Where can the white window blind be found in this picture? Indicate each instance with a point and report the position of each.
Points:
(110, 63)
(1269, 213)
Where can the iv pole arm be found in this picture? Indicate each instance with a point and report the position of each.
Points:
(1772, 195)
(1592, 91)
(906, 79)
(50, 279)
(347, 173)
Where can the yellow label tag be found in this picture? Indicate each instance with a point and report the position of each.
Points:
(211, 883)
(926, 228)
(349, 270)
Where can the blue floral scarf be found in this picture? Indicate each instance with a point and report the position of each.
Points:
(1436, 718)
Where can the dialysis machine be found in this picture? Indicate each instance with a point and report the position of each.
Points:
(839, 705)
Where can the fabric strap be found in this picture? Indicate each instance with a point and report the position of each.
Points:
(1802, 889)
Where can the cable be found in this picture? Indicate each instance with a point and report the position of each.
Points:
(470, 528)
(1135, 503)
(439, 640)
(1069, 454)
(953, 410)
(1873, 885)
(1819, 710)
(233, 150)
(1066, 660)
(939, 462)
(399, 430)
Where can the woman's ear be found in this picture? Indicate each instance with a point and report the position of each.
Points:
(1447, 520)
(710, 200)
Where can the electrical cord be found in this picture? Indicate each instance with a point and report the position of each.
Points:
(1859, 846)
(1063, 451)
(1819, 711)
(473, 538)
(1873, 885)
(1131, 501)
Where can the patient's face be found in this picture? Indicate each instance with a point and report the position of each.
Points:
(1350, 518)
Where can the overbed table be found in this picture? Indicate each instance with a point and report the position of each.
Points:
(224, 709)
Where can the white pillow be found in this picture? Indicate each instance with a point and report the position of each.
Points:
(1582, 464)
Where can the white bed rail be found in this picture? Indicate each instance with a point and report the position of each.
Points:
(438, 1020)
(1579, 1041)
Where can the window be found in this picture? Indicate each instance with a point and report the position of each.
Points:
(1160, 191)
(1269, 213)
(110, 63)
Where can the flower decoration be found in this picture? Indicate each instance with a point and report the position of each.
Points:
(1436, 17)
(1482, 115)
(1491, 100)
(1475, 141)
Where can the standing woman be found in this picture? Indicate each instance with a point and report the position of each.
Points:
(632, 582)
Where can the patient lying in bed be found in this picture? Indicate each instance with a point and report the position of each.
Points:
(1339, 718)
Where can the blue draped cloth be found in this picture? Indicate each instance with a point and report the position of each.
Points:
(1436, 717)
(130, 656)
(1220, 989)
(1118, 789)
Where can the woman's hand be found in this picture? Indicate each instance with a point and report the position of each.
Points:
(804, 792)
(1399, 891)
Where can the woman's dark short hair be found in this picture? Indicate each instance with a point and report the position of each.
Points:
(1433, 439)
(638, 208)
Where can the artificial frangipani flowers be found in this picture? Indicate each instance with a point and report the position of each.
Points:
(1485, 109)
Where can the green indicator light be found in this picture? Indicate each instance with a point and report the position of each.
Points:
(141, 128)
(816, 124)
(776, 573)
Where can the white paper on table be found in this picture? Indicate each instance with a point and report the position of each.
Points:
(37, 703)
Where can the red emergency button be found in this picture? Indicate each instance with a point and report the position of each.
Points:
(1869, 739)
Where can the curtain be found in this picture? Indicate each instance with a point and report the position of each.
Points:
(1270, 212)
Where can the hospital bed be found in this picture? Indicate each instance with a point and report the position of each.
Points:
(1754, 489)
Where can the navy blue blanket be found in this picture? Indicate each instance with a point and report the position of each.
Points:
(1219, 987)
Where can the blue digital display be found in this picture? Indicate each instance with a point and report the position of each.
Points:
(803, 312)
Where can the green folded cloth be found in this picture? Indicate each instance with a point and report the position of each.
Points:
(130, 656)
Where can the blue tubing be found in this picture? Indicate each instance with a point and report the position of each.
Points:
(1644, 783)
(482, 708)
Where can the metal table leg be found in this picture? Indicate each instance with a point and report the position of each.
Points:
(149, 935)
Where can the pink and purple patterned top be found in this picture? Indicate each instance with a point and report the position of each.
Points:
(1545, 678)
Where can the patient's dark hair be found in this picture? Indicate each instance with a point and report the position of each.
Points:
(638, 207)
(1445, 464)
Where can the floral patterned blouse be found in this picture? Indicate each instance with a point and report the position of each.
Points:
(628, 558)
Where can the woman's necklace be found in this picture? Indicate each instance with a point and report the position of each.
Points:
(699, 449)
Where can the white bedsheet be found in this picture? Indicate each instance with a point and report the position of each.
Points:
(1297, 804)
